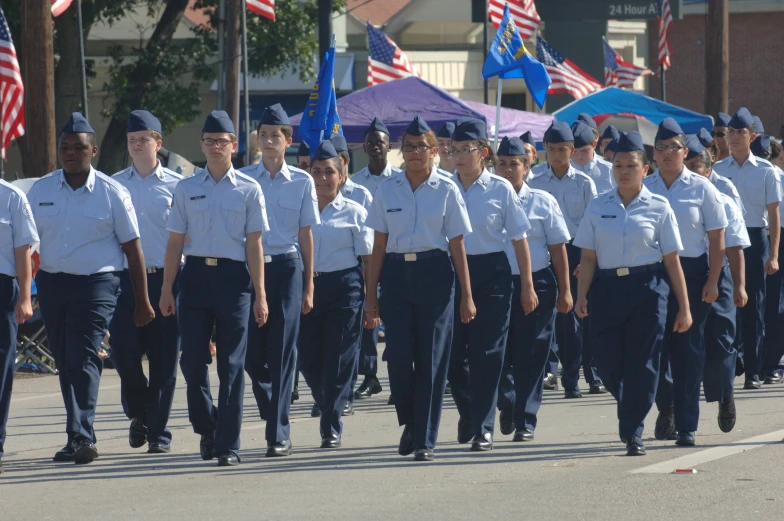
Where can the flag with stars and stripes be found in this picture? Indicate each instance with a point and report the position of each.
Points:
(265, 8)
(523, 13)
(619, 73)
(59, 6)
(567, 78)
(386, 62)
(665, 24)
(11, 90)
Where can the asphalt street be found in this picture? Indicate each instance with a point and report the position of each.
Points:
(575, 469)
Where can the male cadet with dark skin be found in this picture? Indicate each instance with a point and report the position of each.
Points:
(88, 228)
(217, 220)
(147, 403)
(303, 157)
(444, 140)
(719, 133)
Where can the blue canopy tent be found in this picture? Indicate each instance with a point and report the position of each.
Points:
(613, 101)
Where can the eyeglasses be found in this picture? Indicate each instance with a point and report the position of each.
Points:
(220, 142)
(462, 151)
(719, 134)
(418, 148)
(670, 148)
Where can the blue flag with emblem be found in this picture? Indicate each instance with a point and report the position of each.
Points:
(508, 58)
(320, 118)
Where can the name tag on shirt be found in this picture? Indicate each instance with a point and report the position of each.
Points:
(197, 197)
(392, 210)
(45, 204)
(609, 216)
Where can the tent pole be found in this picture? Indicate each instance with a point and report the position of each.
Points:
(498, 113)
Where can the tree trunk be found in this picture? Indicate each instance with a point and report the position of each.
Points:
(67, 74)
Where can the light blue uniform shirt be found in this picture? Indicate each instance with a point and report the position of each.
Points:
(152, 198)
(292, 205)
(421, 220)
(726, 187)
(548, 228)
(217, 217)
(357, 193)
(493, 209)
(341, 236)
(81, 230)
(17, 226)
(573, 192)
(735, 234)
(697, 205)
(536, 170)
(637, 235)
(757, 183)
(600, 171)
(370, 181)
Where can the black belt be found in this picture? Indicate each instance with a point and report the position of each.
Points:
(211, 261)
(281, 257)
(413, 257)
(634, 270)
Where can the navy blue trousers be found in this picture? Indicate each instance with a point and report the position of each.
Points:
(417, 309)
(552, 356)
(9, 296)
(272, 348)
(683, 354)
(150, 401)
(720, 354)
(478, 347)
(77, 310)
(773, 345)
(750, 319)
(367, 355)
(527, 350)
(627, 323)
(329, 338)
(215, 297)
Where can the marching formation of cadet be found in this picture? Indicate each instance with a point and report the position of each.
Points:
(655, 283)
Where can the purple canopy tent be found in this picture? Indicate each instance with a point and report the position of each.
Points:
(513, 122)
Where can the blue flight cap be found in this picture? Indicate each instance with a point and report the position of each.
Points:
(143, 120)
(559, 132)
(742, 119)
(704, 137)
(583, 135)
(529, 138)
(275, 115)
(760, 146)
(377, 126)
(610, 132)
(722, 120)
(446, 131)
(303, 150)
(758, 126)
(418, 127)
(511, 147)
(218, 121)
(629, 142)
(325, 150)
(694, 147)
(468, 129)
(587, 119)
(668, 128)
(612, 146)
(77, 124)
(339, 142)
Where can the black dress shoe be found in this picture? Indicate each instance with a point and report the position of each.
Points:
(424, 454)
(406, 446)
(773, 379)
(159, 447)
(551, 382)
(634, 447)
(279, 449)
(207, 447)
(506, 421)
(464, 430)
(228, 460)
(727, 415)
(369, 387)
(665, 423)
(523, 435)
(482, 443)
(391, 400)
(330, 442)
(137, 434)
(752, 384)
(315, 411)
(448, 389)
(572, 393)
(86, 452)
(597, 387)
(66, 453)
(348, 409)
(740, 366)
(685, 439)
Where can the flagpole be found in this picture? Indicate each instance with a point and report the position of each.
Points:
(334, 42)
(484, 53)
(663, 83)
(245, 80)
(81, 56)
(498, 113)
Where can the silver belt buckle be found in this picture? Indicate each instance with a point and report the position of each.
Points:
(409, 257)
(267, 259)
(209, 261)
(152, 270)
(316, 273)
(622, 272)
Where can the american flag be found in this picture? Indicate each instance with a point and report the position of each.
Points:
(265, 8)
(619, 73)
(386, 62)
(665, 24)
(523, 13)
(59, 6)
(11, 90)
(567, 77)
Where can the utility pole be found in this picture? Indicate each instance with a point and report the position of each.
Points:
(231, 59)
(221, 52)
(38, 76)
(717, 57)
(324, 27)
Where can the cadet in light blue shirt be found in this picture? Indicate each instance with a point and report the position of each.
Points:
(609, 135)
(17, 234)
(288, 246)
(530, 335)
(87, 225)
(478, 348)
(417, 215)
(760, 191)
(351, 191)
(574, 191)
(699, 210)
(147, 403)
(330, 334)
(587, 161)
(218, 220)
(626, 236)
(444, 139)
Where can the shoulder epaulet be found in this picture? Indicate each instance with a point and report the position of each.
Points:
(172, 173)
(660, 198)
